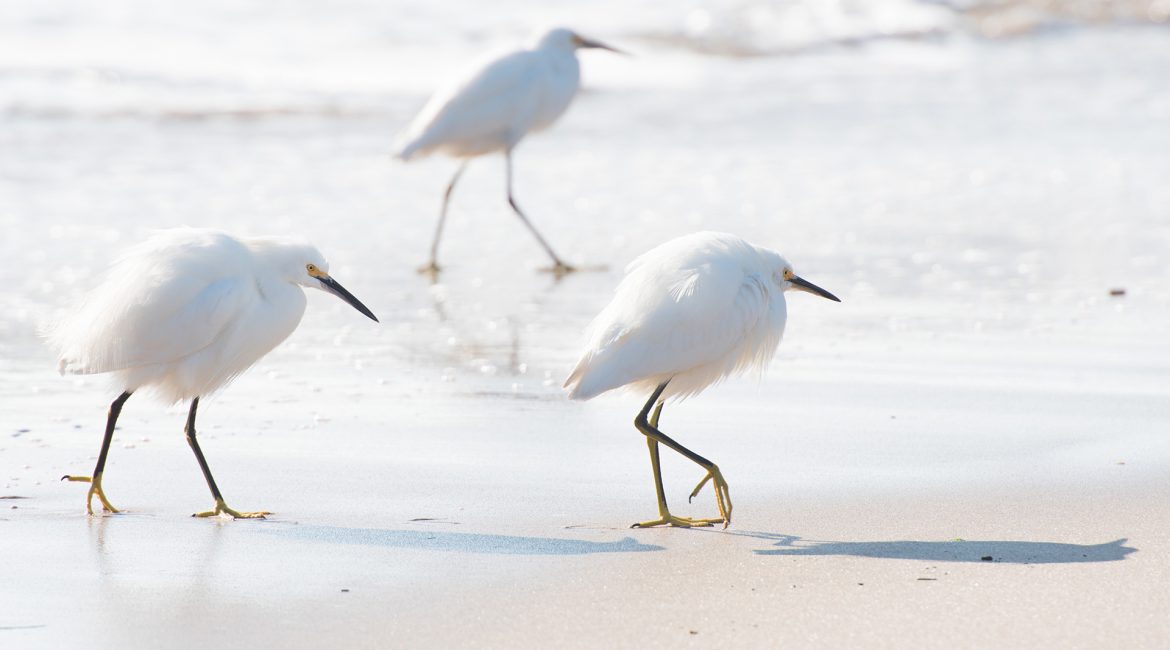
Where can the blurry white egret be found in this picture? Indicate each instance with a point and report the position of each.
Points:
(493, 108)
(184, 313)
(688, 313)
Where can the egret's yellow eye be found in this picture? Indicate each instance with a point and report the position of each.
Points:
(313, 270)
(788, 274)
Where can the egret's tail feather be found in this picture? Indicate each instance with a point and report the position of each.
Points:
(581, 392)
(407, 147)
(405, 153)
(602, 367)
(589, 379)
(573, 381)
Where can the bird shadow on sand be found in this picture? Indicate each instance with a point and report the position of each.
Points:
(958, 550)
(453, 542)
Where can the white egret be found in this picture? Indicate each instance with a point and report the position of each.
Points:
(492, 109)
(184, 313)
(687, 314)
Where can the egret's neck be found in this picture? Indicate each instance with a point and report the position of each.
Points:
(563, 60)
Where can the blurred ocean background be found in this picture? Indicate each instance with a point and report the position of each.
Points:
(971, 171)
(365, 58)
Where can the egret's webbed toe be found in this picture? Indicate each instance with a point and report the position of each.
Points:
(222, 508)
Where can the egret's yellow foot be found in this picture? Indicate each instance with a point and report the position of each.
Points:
(722, 494)
(560, 269)
(222, 508)
(95, 489)
(681, 522)
(431, 268)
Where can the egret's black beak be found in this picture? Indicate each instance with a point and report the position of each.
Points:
(334, 287)
(597, 45)
(804, 285)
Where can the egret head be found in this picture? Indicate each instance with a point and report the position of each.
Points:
(788, 280)
(316, 275)
(299, 262)
(568, 40)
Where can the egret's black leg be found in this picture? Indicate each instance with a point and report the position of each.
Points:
(189, 429)
(649, 428)
(95, 482)
(559, 267)
(220, 506)
(433, 265)
(663, 511)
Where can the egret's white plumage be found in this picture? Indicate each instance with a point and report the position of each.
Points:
(491, 109)
(493, 106)
(693, 310)
(688, 313)
(188, 310)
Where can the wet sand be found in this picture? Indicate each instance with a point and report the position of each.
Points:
(865, 505)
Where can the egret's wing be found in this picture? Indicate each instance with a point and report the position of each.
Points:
(487, 104)
(671, 315)
(162, 301)
(192, 327)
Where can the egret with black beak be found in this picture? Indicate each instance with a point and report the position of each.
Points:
(688, 313)
(492, 109)
(184, 313)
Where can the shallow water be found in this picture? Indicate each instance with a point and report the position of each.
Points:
(943, 189)
(973, 203)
